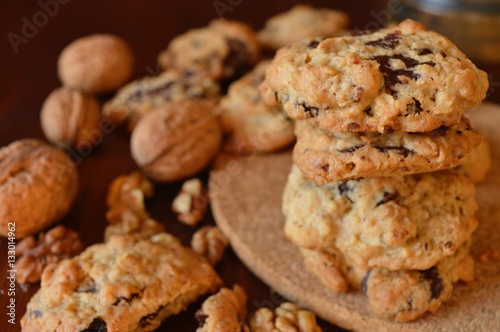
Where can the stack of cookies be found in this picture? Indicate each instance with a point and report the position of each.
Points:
(372, 199)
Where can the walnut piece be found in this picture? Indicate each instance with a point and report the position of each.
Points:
(70, 118)
(287, 317)
(209, 241)
(126, 210)
(51, 247)
(225, 311)
(191, 203)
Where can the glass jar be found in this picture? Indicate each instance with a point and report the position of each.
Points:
(473, 25)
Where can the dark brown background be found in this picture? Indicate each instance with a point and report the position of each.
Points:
(29, 75)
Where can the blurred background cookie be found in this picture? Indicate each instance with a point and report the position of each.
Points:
(222, 50)
(141, 96)
(300, 22)
(248, 123)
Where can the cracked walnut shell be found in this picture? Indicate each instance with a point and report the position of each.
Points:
(176, 140)
(70, 118)
(38, 184)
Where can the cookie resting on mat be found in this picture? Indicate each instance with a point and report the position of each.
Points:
(401, 295)
(408, 222)
(325, 156)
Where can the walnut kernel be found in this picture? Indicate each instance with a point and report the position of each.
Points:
(51, 247)
(209, 241)
(191, 203)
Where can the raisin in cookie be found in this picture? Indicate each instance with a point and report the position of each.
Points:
(401, 295)
(221, 50)
(141, 96)
(402, 78)
(326, 156)
(397, 222)
(300, 22)
(125, 284)
(249, 124)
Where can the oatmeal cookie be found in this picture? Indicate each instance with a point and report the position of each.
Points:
(401, 295)
(125, 284)
(300, 22)
(225, 311)
(38, 185)
(403, 78)
(324, 156)
(222, 50)
(476, 164)
(97, 63)
(143, 95)
(248, 123)
(406, 295)
(398, 222)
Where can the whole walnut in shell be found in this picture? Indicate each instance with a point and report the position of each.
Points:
(177, 140)
(97, 63)
(69, 118)
(38, 184)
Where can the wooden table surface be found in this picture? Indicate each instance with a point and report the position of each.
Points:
(33, 35)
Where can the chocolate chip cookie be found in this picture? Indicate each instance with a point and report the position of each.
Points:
(401, 295)
(248, 123)
(125, 284)
(403, 78)
(326, 156)
(399, 222)
(300, 22)
(141, 96)
(221, 50)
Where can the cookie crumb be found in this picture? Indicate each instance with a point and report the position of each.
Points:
(51, 247)
(209, 242)
(191, 203)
